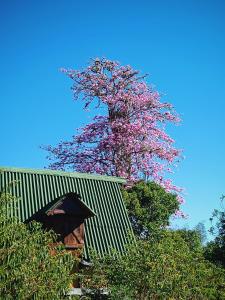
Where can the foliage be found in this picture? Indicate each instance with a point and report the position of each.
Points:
(215, 250)
(201, 230)
(28, 269)
(192, 238)
(164, 268)
(130, 140)
(149, 207)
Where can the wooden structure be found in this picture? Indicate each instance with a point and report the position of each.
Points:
(66, 218)
(84, 210)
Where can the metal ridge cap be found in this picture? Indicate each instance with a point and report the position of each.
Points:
(63, 173)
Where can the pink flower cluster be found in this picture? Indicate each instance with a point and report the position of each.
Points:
(130, 141)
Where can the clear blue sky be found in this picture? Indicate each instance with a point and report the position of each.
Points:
(181, 44)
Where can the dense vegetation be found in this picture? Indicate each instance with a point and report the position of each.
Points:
(163, 263)
(164, 268)
(149, 207)
(215, 250)
(28, 270)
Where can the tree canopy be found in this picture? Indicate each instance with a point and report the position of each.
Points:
(149, 207)
(130, 140)
(215, 250)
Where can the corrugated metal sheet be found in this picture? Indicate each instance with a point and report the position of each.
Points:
(37, 188)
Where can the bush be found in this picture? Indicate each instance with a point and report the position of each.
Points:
(165, 268)
(28, 270)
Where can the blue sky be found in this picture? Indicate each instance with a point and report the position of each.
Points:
(181, 44)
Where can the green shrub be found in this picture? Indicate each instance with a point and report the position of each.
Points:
(28, 270)
(165, 268)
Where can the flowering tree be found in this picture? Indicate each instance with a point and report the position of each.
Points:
(130, 140)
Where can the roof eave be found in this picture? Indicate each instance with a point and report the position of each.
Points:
(63, 173)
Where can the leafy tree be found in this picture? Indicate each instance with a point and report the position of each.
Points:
(201, 230)
(149, 207)
(215, 250)
(28, 269)
(164, 268)
(130, 140)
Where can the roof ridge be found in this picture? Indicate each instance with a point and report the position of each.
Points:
(64, 173)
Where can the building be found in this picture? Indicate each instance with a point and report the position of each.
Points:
(86, 211)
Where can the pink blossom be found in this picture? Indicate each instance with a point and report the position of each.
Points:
(131, 140)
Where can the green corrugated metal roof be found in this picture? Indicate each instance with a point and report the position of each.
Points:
(37, 188)
(67, 174)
